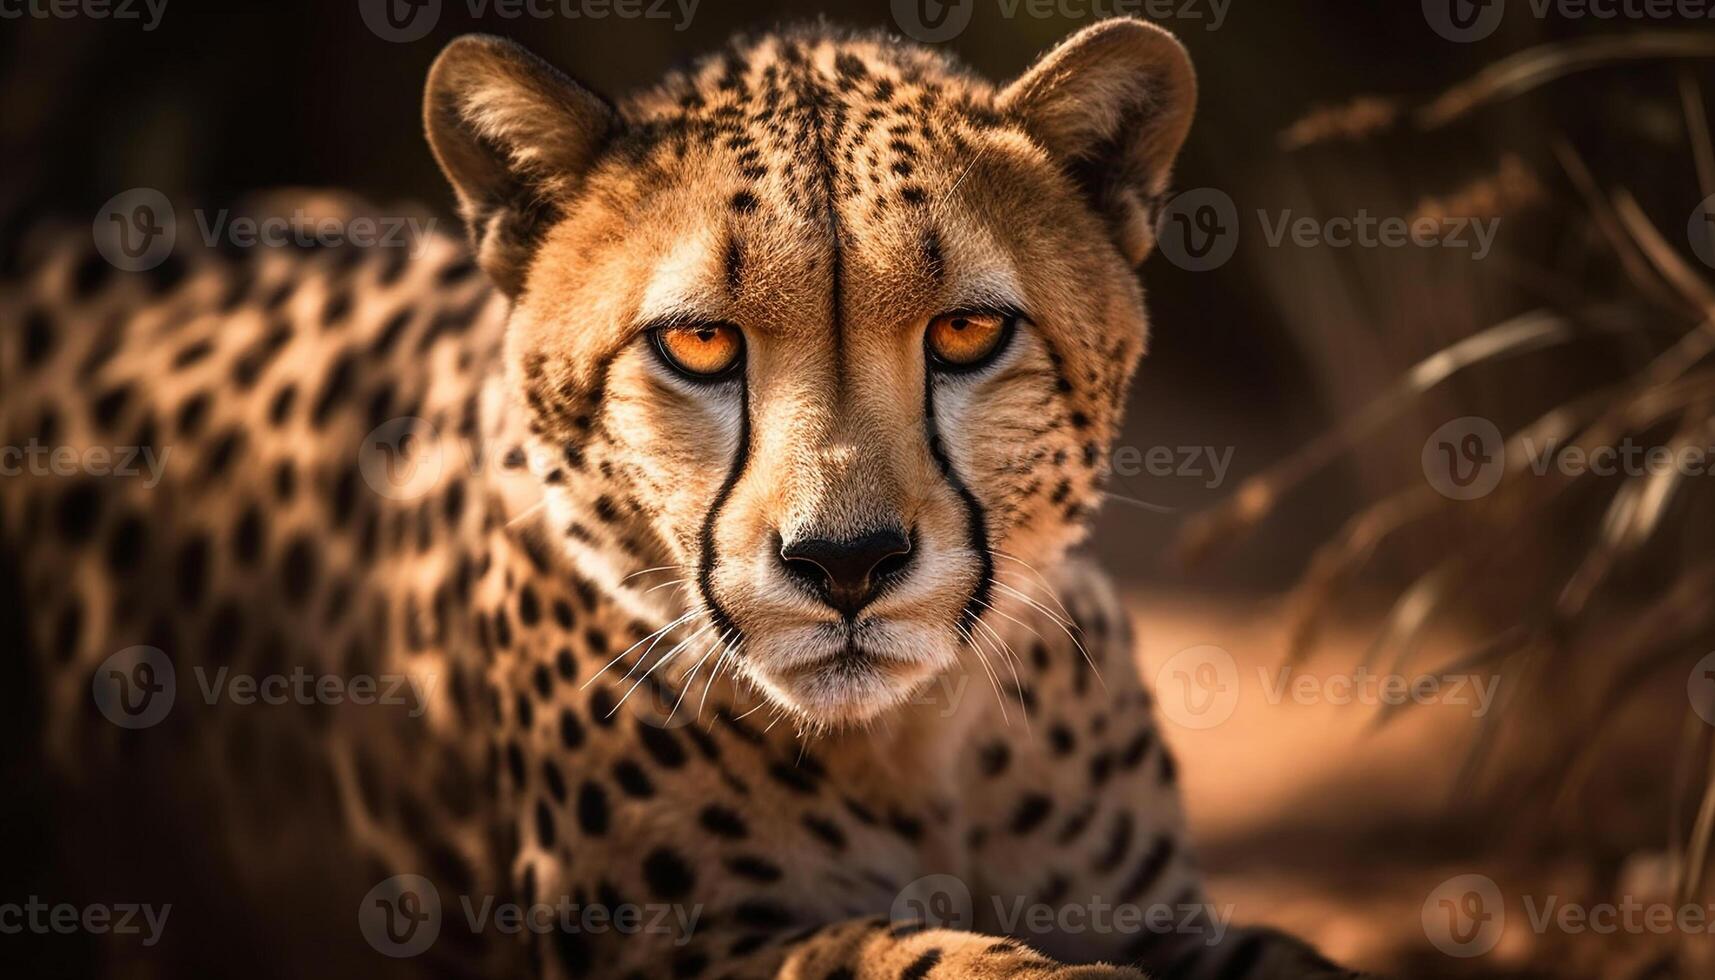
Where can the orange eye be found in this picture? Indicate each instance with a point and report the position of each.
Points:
(966, 340)
(702, 351)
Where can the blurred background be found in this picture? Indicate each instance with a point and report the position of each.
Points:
(1357, 462)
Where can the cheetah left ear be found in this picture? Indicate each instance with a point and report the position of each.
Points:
(516, 139)
(1113, 104)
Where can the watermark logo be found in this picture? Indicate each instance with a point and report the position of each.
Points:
(1465, 916)
(1700, 687)
(136, 229)
(1198, 687)
(1465, 459)
(402, 459)
(400, 21)
(135, 687)
(933, 21)
(1701, 231)
(401, 916)
(1198, 230)
(937, 902)
(1464, 21)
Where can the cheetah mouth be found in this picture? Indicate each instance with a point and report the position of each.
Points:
(849, 672)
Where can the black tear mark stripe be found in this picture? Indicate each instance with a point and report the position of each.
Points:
(976, 521)
(723, 622)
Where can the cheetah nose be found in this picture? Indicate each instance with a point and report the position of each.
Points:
(848, 574)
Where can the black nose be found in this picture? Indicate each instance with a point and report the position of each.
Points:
(848, 574)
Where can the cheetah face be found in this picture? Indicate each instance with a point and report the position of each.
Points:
(832, 329)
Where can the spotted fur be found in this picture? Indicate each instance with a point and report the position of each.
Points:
(633, 700)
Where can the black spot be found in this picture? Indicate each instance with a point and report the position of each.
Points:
(661, 745)
(667, 874)
(390, 333)
(1136, 749)
(529, 607)
(744, 202)
(125, 545)
(825, 830)
(68, 632)
(38, 337)
(993, 759)
(571, 729)
(906, 826)
(221, 453)
(285, 481)
(109, 405)
(596, 640)
(756, 914)
(1119, 841)
(336, 390)
(793, 778)
(754, 868)
(921, 966)
(592, 809)
(566, 664)
(1148, 870)
(191, 354)
(689, 964)
(1032, 810)
(337, 306)
(192, 567)
(721, 822)
(515, 762)
(1101, 767)
(298, 569)
(544, 825)
(1060, 740)
(602, 707)
(632, 779)
(78, 513)
(556, 782)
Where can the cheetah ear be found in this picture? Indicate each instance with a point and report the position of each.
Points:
(516, 138)
(1112, 103)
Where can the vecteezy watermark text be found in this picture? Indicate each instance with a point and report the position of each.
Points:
(1467, 21)
(1200, 687)
(34, 915)
(1465, 916)
(136, 230)
(35, 459)
(934, 21)
(402, 916)
(137, 687)
(403, 21)
(147, 11)
(1199, 230)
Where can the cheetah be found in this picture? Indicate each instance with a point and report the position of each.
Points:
(709, 511)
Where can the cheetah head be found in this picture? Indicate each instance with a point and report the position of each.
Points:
(832, 329)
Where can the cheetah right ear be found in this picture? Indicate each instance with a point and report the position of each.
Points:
(1112, 104)
(516, 139)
